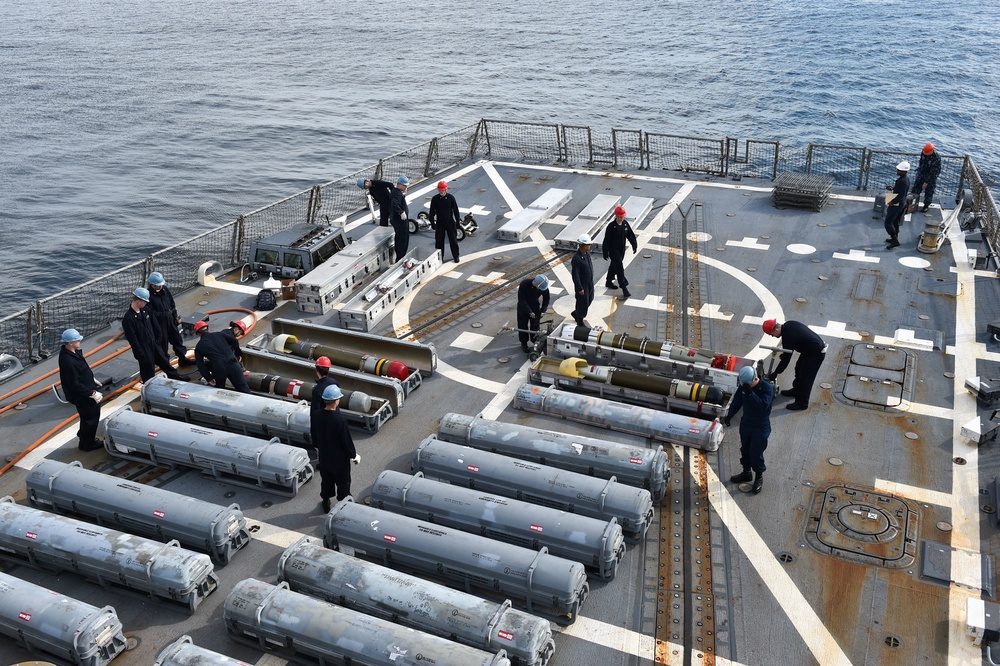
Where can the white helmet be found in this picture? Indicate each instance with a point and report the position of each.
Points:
(903, 166)
(585, 239)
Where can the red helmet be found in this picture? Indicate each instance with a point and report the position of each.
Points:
(200, 326)
(769, 325)
(928, 149)
(323, 362)
(442, 186)
(620, 211)
(240, 325)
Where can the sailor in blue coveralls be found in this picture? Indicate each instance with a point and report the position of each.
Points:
(754, 397)
(222, 353)
(400, 213)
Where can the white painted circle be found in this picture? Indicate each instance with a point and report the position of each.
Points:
(914, 262)
(800, 248)
(699, 237)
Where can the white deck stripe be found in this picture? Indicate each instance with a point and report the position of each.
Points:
(965, 478)
(502, 188)
(803, 617)
(915, 493)
(620, 639)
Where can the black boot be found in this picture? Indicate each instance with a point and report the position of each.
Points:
(626, 293)
(745, 476)
(893, 243)
(610, 284)
(758, 482)
(525, 348)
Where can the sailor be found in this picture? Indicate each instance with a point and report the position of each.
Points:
(754, 397)
(80, 388)
(400, 213)
(218, 357)
(797, 337)
(238, 328)
(381, 192)
(897, 207)
(582, 268)
(336, 448)
(323, 379)
(615, 237)
(142, 332)
(529, 310)
(444, 218)
(164, 309)
(928, 170)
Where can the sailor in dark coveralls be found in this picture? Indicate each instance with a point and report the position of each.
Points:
(797, 337)
(529, 310)
(381, 191)
(582, 268)
(897, 207)
(400, 213)
(754, 397)
(222, 353)
(142, 332)
(336, 448)
(928, 170)
(444, 218)
(323, 379)
(79, 387)
(615, 236)
(165, 311)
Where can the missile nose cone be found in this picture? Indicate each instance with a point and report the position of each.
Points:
(573, 367)
(715, 395)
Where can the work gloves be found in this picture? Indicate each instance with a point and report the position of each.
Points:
(96, 396)
(356, 459)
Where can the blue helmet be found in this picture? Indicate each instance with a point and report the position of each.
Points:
(747, 375)
(361, 183)
(402, 180)
(71, 335)
(156, 279)
(332, 392)
(142, 293)
(541, 282)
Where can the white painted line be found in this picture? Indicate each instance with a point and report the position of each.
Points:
(797, 609)
(472, 341)
(238, 288)
(498, 182)
(492, 276)
(856, 255)
(274, 535)
(617, 638)
(934, 411)
(505, 395)
(978, 350)
(922, 495)
(711, 311)
(561, 220)
(904, 338)
(748, 243)
(652, 179)
(964, 478)
(836, 329)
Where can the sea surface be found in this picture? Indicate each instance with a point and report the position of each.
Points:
(129, 126)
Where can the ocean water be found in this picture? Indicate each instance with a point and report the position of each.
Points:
(129, 126)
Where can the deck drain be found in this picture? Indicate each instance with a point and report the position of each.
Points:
(730, 214)
(943, 526)
(766, 237)
(21, 406)
(202, 302)
(949, 375)
(253, 529)
(477, 324)
(646, 255)
(988, 509)
(720, 249)
(863, 526)
(131, 643)
(266, 504)
(639, 324)
(800, 299)
(958, 461)
(892, 642)
(230, 494)
(923, 317)
(826, 386)
(439, 292)
(786, 558)
(823, 278)
(865, 334)
(815, 260)
(751, 270)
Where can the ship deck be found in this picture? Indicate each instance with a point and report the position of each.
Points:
(723, 576)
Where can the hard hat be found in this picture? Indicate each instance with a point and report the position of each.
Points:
(200, 326)
(332, 392)
(619, 211)
(928, 148)
(584, 239)
(442, 186)
(238, 324)
(769, 325)
(156, 279)
(323, 362)
(71, 335)
(402, 180)
(542, 282)
(903, 166)
(747, 375)
(361, 183)
(142, 293)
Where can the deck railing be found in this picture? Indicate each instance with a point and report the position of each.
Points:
(33, 334)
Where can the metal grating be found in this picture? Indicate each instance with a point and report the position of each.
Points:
(801, 190)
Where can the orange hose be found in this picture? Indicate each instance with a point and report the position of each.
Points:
(54, 371)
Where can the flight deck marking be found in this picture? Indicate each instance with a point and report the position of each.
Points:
(498, 182)
(856, 255)
(710, 311)
(562, 220)
(797, 609)
(964, 478)
(905, 337)
(836, 329)
(748, 243)
(472, 341)
(492, 276)
(915, 493)
(800, 248)
(914, 262)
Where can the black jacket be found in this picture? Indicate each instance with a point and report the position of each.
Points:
(615, 237)
(798, 337)
(142, 331)
(444, 209)
(756, 406)
(333, 441)
(929, 167)
(316, 403)
(583, 274)
(76, 376)
(161, 302)
(398, 206)
(901, 188)
(220, 349)
(527, 299)
(381, 191)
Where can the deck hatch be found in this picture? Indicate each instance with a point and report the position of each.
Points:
(863, 526)
(877, 377)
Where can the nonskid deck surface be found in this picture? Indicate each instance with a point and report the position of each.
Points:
(843, 558)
